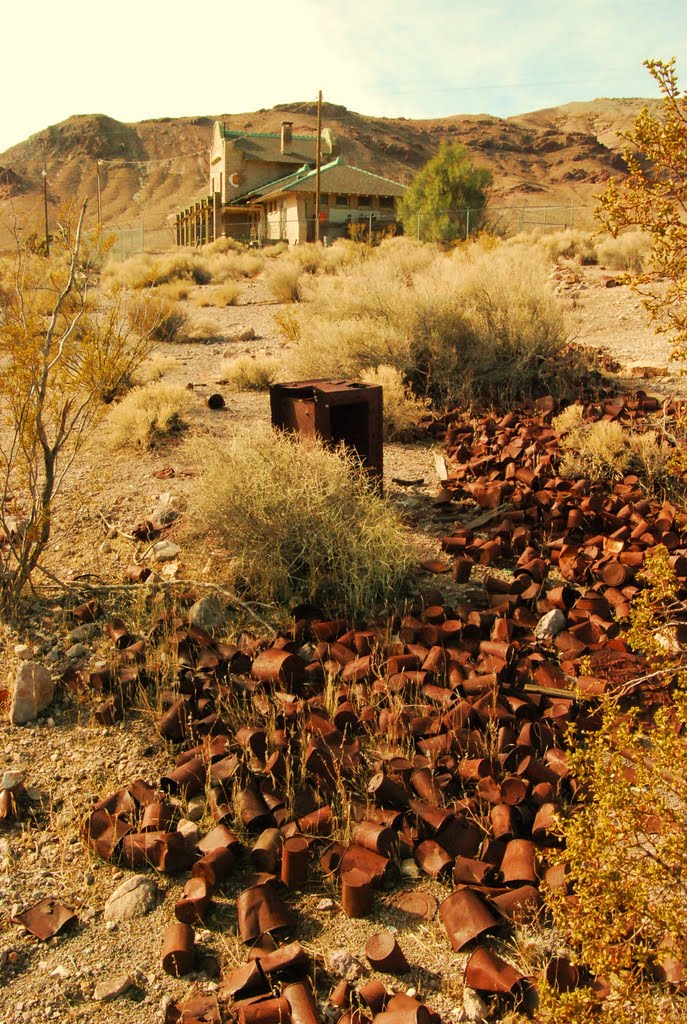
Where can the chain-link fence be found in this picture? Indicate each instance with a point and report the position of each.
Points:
(134, 238)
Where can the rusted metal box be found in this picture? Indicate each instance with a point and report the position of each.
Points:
(347, 411)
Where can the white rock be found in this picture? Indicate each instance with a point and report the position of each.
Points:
(133, 898)
(61, 972)
(247, 334)
(32, 692)
(165, 551)
(476, 1008)
(550, 625)
(23, 651)
(112, 989)
(326, 905)
(346, 966)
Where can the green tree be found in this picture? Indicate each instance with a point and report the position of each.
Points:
(442, 193)
(654, 198)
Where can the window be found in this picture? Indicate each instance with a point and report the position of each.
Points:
(342, 200)
(386, 202)
(364, 202)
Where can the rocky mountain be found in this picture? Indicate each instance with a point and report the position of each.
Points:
(151, 168)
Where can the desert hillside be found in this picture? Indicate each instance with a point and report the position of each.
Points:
(151, 168)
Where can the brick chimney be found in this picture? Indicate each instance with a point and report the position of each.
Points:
(286, 136)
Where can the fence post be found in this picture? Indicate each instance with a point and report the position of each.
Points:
(467, 222)
(143, 249)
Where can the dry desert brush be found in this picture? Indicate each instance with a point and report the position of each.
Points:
(61, 359)
(148, 415)
(480, 323)
(301, 522)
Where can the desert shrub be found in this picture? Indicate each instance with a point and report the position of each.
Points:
(311, 258)
(175, 291)
(283, 280)
(226, 294)
(301, 522)
(402, 409)
(473, 325)
(603, 450)
(571, 243)
(149, 271)
(271, 251)
(630, 251)
(160, 318)
(154, 368)
(232, 266)
(202, 329)
(148, 415)
(222, 245)
(250, 373)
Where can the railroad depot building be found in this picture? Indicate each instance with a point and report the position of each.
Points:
(262, 188)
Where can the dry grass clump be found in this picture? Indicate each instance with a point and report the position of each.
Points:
(567, 244)
(270, 251)
(250, 373)
(479, 323)
(222, 245)
(283, 280)
(202, 329)
(146, 270)
(226, 294)
(604, 450)
(402, 409)
(233, 266)
(156, 316)
(154, 368)
(300, 522)
(148, 415)
(629, 251)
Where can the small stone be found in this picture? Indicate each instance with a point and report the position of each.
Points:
(11, 779)
(32, 692)
(75, 652)
(78, 633)
(344, 965)
(195, 808)
(105, 548)
(23, 651)
(189, 830)
(476, 1008)
(247, 334)
(112, 926)
(411, 992)
(326, 905)
(209, 613)
(550, 625)
(61, 972)
(409, 869)
(165, 551)
(112, 989)
(133, 898)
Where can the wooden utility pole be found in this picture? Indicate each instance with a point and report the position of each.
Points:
(317, 167)
(100, 202)
(45, 208)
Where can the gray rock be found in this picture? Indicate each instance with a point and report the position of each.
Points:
(113, 988)
(32, 692)
(195, 809)
(165, 551)
(189, 830)
(133, 898)
(75, 652)
(11, 779)
(344, 965)
(550, 625)
(476, 1008)
(208, 613)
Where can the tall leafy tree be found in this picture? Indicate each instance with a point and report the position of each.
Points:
(654, 197)
(441, 194)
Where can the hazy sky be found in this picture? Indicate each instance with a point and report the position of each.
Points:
(134, 59)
